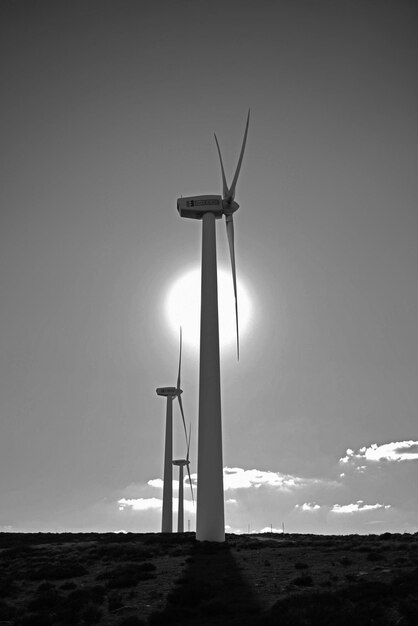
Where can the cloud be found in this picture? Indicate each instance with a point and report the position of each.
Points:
(358, 507)
(308, 506)
(156, 482)
(394, 451)
(139, 504)
(239, 478)
(371, 485)
(146, 504)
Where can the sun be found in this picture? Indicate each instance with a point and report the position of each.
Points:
(183, 307)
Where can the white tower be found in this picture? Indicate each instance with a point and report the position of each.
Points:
(170, 393)
(210, 520)
(167, 518)
(180, 519)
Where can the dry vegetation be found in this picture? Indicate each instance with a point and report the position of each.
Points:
(152, 579)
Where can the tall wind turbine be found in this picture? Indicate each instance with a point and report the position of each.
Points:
(181, 463)
(210, 519)
(170, 393)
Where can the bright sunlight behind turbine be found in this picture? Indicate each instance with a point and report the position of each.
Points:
(183, 307)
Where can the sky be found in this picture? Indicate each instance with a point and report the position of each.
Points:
(108, 111)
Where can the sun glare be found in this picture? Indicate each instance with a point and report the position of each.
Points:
(183, 307)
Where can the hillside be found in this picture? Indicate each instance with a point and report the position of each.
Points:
(265, 580)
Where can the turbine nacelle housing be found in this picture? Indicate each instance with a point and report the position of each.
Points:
(181, 462)
(194, 207)
(168, 391)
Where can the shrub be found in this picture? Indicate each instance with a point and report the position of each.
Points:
(127, 575)
(91, 614)
(45, 601)
(300, 565)
(80, 598)
(132, 620)
(68, 586)
(36, 619)
(45, 587)
(7, 587)
(121, 552)
(375, 556)
(57, 571)
(303, 581)
(6, 611)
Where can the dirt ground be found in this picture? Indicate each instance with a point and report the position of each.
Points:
(138, 579)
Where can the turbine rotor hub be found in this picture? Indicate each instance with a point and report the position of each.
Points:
(229, 206)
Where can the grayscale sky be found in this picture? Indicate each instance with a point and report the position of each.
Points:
(108, 110)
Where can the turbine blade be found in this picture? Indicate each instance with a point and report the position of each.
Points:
(179, 372)
(225, 190)
(188, 441)
(190, 481)
(187, 459)
(229, 221)
(234, 181)
(182, 415)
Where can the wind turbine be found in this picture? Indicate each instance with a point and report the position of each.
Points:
(181, 463)
(170, 393)
(210, 518)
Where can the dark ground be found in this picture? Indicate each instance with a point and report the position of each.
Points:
(266, 580)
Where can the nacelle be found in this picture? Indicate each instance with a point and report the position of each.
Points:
(168, 391)
(195, 207)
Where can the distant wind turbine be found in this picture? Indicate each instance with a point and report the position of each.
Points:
(181, 463)
(210, 519)
(170, 393)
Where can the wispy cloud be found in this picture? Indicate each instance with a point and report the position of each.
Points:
(394, 451)
(239, 478)
(139, 504)
(361, 488)
(308, 506)
(147, 504)
(358, 507)
(158, 483)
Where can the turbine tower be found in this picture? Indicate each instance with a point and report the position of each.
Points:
(210, 519)
(170, 393)
(181, 463)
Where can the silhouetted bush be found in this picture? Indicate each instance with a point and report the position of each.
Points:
(36, 619)
(216, 608)
(127, 575)
(6, 611)
(8, 587)
(121, 552)
(47, 600)
(114, 601)
(300, 565)
(190, 595)
(375, 556)
(132, 620)
(68, 586)
(57, 571)
(363, 604)
(351, 578)
(303, 581)
(80, 598)
(46, 586)
(18, 550)
(91, 614)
